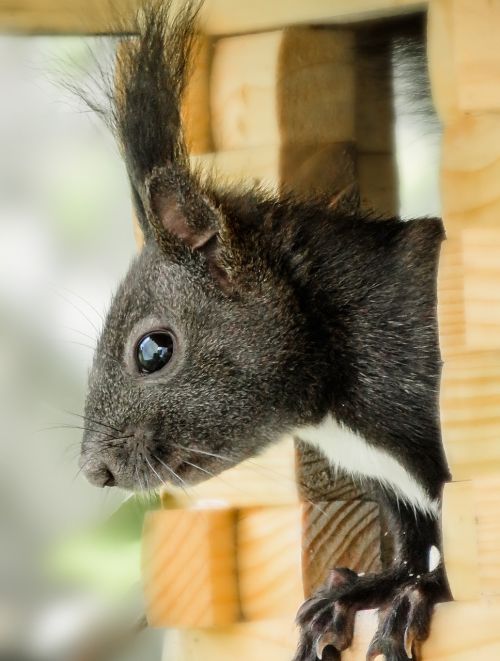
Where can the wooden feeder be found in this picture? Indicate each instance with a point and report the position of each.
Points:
(224, 567)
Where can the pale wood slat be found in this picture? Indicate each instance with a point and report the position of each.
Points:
(471, 537)
(460, 632)
(219, 16)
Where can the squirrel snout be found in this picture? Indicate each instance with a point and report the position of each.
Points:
(97, 472)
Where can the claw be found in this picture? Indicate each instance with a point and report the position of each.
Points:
(374, 653)
(310, 607)
(340, 577)
(324, 641)
(408, 642)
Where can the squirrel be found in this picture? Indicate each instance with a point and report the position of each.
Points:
(249, 315)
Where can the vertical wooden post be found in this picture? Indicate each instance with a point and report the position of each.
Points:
(465, 69)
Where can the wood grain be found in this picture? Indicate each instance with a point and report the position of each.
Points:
(196, 111)
(282, 87)
(341, 533)
(460, 632)
(470, 413)
(269, 562)
(189, 568)
(267, 640)
(471, 539)
(477, 56)
(471, 171)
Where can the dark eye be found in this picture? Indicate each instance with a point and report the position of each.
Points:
(154, 351)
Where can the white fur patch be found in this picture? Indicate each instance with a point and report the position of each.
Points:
(354, 455)
(434, 558)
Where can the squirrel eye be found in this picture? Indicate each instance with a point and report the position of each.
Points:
(154, 351)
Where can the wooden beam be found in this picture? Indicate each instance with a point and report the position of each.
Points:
(477, 56)
(259, 84)
(471, 537)
(460, 632)
(211, 568)
(189, 570)
(468, 290)
(220, 17)
(470, 413)
(267, 640)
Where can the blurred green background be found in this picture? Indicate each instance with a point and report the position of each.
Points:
(65, 240)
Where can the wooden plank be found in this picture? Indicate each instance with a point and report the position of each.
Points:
(470, 413)
(196, 112)
(451, 312)
(210, 568)
(268, 640)
(460, 540)
(471, 171)
(321, 97)
(477, 56)
(468, 291)
(340, 533)
(341, 526)
(441, 59)
(188, 568)
(283, 87)
(460, 632)
(269, 562)
(471, 537)
(220, 17)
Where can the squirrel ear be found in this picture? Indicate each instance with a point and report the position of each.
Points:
(170, 216)
(181, 210)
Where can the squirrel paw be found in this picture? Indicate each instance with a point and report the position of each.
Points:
(405, 603)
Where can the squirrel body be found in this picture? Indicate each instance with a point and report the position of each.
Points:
(248, 316)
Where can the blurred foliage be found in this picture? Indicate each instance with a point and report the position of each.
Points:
(106, 557)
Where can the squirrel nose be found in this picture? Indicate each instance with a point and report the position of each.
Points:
(97, 472)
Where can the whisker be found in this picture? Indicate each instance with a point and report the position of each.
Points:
(88, 346)
(84, 300)
(162, 482)
(209, 454)
(73, 305)
(76, 330)
(183, 484)
(58, 427)
(253, 464)
(94, 348)
(204, 470)
(97, 422)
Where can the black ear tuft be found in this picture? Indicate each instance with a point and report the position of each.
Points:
(145, 93)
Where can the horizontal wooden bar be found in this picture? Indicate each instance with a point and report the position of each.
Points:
(219, 17)
(460, 632)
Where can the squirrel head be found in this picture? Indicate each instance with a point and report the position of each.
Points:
(205, 356)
